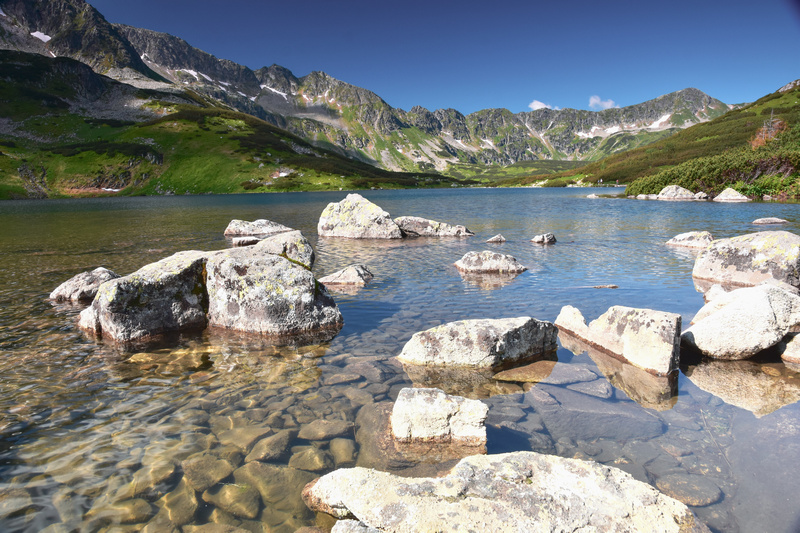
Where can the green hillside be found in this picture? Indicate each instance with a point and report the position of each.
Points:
(707, 156)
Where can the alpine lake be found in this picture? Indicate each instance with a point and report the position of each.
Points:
(96, 437)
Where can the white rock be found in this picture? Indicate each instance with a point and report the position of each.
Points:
(257, 227)
(731, 195)
(430, 415)
(487, 262)
(497, 238)
(675, 192)
(692, 239)
(352, 275)
(355, 217)
(544, 238)
(422, 227)
(770, 220)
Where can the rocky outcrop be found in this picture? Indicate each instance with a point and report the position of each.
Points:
(770, 220)
(645, 338)
(744, 322)
(487, 262)
(159, 298)
(255, 292)
(675, 193)
(259, 227)
(731, 195)
(422, 227)
(82, 287)
(544, 238)
(352, 275)
(748, 260)
(522, 491)
(692, 239)
(482, 343)
(355, 217)
(430, 415)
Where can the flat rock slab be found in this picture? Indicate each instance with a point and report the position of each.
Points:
(326, 429)
(731, 195)
(257, 227)
(422, 227)
(645, 338)
(694, 490)
(481, 343)
(356, 275)
(82, 287)
(748, 260)
(430, 415)
(523, 491)
(675, 192)
(355, 217)
(486, 262)
(770, 220)
(692, 239)
(204, 471)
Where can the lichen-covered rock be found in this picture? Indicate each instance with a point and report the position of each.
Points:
(748, 260)
(159, 298)
(692, 239)
(257, 227)
(731, 195)
(482, 343)
(355, 217)
(268, 294)
(486, 262)
(522, 491)
(741, 323)
(430, 415)
(675, 192)
(770, 220)
(82, 287)
(291, 244)
(352, 275)
(544, 238)
(422, 227)
(645, 338)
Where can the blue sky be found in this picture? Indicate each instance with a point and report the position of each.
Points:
(472, 55)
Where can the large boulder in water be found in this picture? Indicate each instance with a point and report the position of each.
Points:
(255, 292)
(159, 298)
(430, 415)
(675, 192)
(731, 195)
(521, 491)
(741, 323)
(355, 217)
(748, 260)
(82, 287)
(645, 338)
(482, 343)
(260, 227)
(487, 262)
(422, 227)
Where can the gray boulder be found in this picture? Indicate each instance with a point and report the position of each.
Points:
(522, 491)
(257, 227)
(482, 343)
(741, 323)
(748, 260)
(692, 239)
(292, 245)
(770, 220)
(159, 298)
(82, 287)
(544, 238)
(352, 275)
(488, 262)
(731, 195)
(268, 294)
(430, 415)
(675, 192)
(702, 195)
(355, 217)
(422, 227)
(645, 338)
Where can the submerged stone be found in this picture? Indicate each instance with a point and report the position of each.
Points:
(488, 262)
(352, 275)
(692, 239)
(422, 227)
(82, 287)
(430, 415)
(257, 227)
(544, 238)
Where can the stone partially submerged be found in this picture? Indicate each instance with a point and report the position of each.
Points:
(748, 260)
(522, 491)
(692, 239)
(260, 227)
(422, 227)
(675, 193)
(544, 238)
(731, 195)
(355, 275)
(291, 245)
(82, 287)
(770, 220)
(430, 415)
(487, 262)
(482, 343)
(355, 217)
(645, 338)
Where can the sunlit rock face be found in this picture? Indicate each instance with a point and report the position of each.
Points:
(355, 217)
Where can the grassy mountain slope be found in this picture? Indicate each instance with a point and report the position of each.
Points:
(732, 131)
(68, 131)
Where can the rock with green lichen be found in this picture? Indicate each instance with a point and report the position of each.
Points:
(355, 217)
(422, 227)
(748, 260)
(162, 297)
(291, 245)
(82, 287)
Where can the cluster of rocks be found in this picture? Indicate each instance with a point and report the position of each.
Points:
(676, 193)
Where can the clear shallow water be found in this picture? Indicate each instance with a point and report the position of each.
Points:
(93, 437)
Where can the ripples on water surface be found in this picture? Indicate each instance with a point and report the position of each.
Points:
(94, 438)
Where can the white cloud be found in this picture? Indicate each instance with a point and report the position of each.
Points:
(596, 103)
(536, 104)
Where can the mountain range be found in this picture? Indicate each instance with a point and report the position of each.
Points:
(334, 115)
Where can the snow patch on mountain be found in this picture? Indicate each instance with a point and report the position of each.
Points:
(41, 36)
(660, 122)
